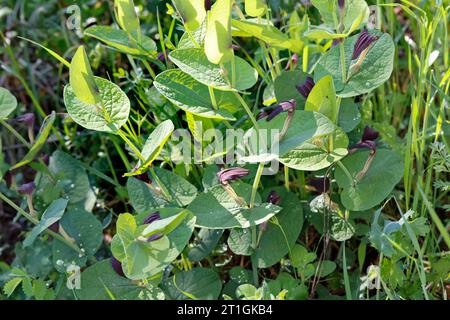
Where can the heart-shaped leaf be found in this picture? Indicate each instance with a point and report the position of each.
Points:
(195, 63)
(107, 116)
(84, 228)
(315, 155)
(101, 282)
(375, 69)
(195, 284)
(216, 209)
(385, 171)
(192, 96)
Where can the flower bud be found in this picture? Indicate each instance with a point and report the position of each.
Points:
(27, 118)
(274, 198)
(231, 174)
(117, 267)
(306, 88)
(27, 188)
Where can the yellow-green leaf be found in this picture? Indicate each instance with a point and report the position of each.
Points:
(82, 78)
(322, 99)
(126, 16)
(218, 33)
(192, 12)
(255, 8)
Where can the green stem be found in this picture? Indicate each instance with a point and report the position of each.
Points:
(35, 221)
(343, 67)
(15, 133)
(256, 184)
(348, 292)
(286, 178)
(131, 145)
(248, 110)
(213, 98)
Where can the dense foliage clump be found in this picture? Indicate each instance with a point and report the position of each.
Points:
(224, 149)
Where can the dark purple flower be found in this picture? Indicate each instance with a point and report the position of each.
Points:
(155, 216)
(368, 140)
(27, 188)
(284, 106)
(336, 42)
(8, 178)
(143, 177)
(341, 4)
(274, 198)
(365, 39)
(306, 88)
(321, 185)
(263, 226)
(152, 218)
(208, 4)
(262, 115)
(154, 237)
(54, 227)
(162, 57)
(117, 267)
(370, 134)
(46, 159)
(27, 118)
(231, 174)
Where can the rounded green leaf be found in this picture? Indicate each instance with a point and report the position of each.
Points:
(349, 115)
(216, 209)
(101, 282)
(315, 155)
(280, 237)
(143, 197)
(87, 232)
(375, 69)
(305, 125)
(195, 284)
(240, 241)
(385, 171)
(285, 86)
(192, 96)
(181, 191)
(8, 103)
(122, 41)
(354, 11)
(194, 62)
(108, 116)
